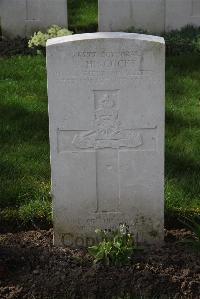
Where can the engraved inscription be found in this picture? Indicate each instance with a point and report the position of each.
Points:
(108, 59)
(106, 54)
(107, 133)
(95, 62)
(195, 8)
(109, 63)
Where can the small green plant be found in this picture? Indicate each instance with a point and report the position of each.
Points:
(115, 247)
(194, 226)
(39, 39)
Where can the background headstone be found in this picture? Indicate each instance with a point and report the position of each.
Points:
(155, 16)
(24, 17)
(118, 15)
(180, 13)
(106, 109)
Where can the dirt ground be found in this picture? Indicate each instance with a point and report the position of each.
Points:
(31, 267)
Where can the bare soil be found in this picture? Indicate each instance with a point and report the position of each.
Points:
(31, 267)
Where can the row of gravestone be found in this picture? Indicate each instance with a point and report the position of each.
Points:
(155, 16)
(23, 17)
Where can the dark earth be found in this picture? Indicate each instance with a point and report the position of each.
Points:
(31, 267)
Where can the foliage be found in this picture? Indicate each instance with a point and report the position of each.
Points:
(83, 15)
(115, 247)
(194, 226)
(39, 38)
(16, 46)
(184, 41)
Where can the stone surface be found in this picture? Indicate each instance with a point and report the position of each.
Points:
(180, 13)
(24, 17)
(154, 16)
(117, 15)
(106, 111)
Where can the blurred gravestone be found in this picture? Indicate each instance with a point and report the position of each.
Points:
(24, 17)
(106, 110)
(180, 13)
(155, 16)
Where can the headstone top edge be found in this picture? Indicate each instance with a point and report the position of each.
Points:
(105, 35)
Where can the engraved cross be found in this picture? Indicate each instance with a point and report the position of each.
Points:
(107, 139)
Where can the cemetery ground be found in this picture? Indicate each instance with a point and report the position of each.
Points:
(30, 266)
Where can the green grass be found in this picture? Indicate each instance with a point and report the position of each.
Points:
(183, 134)
(83, 15)
(24, 163)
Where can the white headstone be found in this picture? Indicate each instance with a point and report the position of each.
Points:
(119, 15)
(106, 110)
(180, 13)
(24, 17)
(155, 16)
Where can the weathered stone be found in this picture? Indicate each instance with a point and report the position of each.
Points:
(180, 13)
(106, 110)
(24, 17)
(155, 16)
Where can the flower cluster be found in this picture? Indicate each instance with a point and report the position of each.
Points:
(39, 38)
